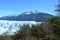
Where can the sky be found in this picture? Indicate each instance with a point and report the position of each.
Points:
(9, 7)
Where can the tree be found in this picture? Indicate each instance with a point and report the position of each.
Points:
(29, 33)
(23, 33)
(54, 26)
(7, 37)
(36, 31)
(58, 7)
(46, 31)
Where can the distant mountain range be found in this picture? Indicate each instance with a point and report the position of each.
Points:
(28, 16)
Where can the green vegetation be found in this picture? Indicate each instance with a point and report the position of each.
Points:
(58, 8)
(48, 30)
(54, 28)
(29, 33)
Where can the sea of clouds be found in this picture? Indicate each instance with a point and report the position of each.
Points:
(12, 26)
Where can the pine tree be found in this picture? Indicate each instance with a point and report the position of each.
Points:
(58, 8)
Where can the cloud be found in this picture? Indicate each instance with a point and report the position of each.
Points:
(2, 30)
(10, 26)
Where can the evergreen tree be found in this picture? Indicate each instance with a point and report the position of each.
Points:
(58, 7)
(52, 28)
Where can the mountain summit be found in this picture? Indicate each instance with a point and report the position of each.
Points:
(28, 16)
(30, 12)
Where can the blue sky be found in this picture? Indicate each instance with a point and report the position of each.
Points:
(9, 7)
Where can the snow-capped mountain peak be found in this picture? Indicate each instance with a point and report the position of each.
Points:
(30, 12)
(27, 13)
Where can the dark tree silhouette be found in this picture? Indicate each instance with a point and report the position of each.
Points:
(58, 7)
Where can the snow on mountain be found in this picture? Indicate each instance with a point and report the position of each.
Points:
(30, 12)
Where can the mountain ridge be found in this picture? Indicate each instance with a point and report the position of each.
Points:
(28, 16)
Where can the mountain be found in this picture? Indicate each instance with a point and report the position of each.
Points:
(28, 16)
(8, 18)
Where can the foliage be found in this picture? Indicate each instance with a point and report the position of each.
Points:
(58, 8)
(29, 33)
(54, 24)
(36, 30)
(23, 33)
(7, 37)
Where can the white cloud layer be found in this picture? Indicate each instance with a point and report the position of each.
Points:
(12, 26)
